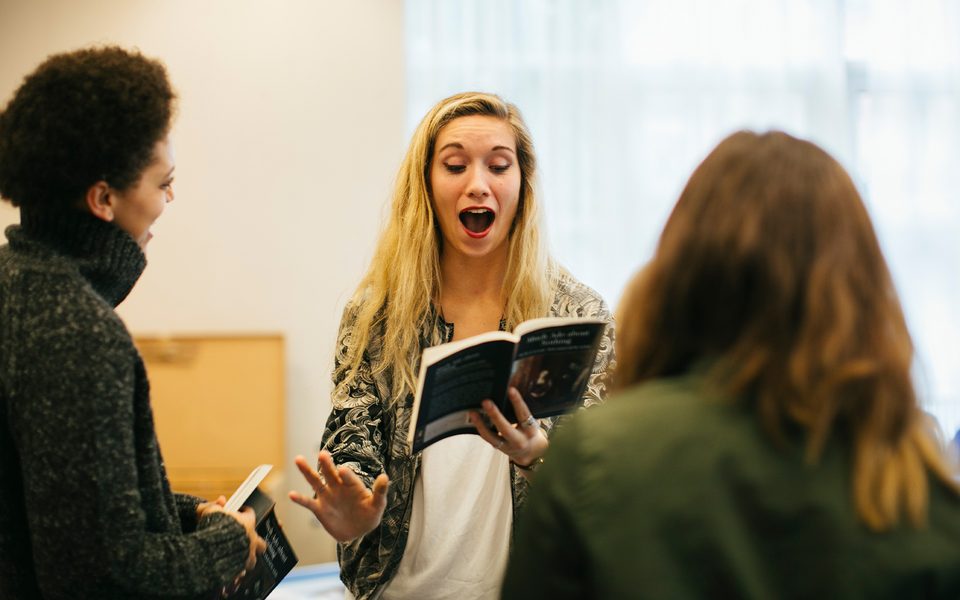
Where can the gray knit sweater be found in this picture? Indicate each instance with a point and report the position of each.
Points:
(86, 510)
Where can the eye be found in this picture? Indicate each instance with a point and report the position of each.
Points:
(500, 168)
(166, 185)
(455, 168)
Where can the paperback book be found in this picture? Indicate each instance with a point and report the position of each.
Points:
(279, 557)
(548, 360)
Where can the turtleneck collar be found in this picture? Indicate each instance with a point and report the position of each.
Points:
(105, 255)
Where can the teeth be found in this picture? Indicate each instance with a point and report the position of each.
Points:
(477, 211)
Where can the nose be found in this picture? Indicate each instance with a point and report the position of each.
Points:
(478, 187)
(170, 195)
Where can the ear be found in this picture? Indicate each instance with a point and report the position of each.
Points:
(99, 201)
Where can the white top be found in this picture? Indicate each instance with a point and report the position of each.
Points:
(460, 524)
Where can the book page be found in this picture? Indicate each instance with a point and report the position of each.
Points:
(246, 488)
(546, 322)
(453, 381)
(553, 364)
(435, 354)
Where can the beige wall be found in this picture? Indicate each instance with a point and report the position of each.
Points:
(289, 133)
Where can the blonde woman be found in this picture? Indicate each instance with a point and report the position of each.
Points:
(767, 442)
(462, 254)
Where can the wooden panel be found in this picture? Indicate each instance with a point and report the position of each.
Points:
(218, 402)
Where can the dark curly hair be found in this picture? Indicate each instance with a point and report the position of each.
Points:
(85, 116)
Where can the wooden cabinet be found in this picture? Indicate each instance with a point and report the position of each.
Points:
(218, 403)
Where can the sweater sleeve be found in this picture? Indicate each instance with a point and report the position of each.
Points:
(78, 438)
(187, 510)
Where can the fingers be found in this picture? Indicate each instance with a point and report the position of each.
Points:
(302, 500)
(526, 423)
(496, 417)
(514, 441)
(520, 407)
(490, 437)
(328, 469)
(349, 479)
(506, 439)
(309, 503)
(309, 473)
(506, 429)
(248, 517)
(380, 485)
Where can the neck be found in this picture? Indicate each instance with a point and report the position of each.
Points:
(467, 277)
(104, 254)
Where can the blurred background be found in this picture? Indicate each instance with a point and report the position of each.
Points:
(294, 116)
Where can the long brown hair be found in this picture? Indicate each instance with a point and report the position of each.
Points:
(769, 270)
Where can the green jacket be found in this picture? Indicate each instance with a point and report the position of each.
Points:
(668, 491)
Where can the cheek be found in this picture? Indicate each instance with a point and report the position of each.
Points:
(509, 195)
(158, 206)
(443, 192)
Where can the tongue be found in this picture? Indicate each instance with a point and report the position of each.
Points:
(477, 222)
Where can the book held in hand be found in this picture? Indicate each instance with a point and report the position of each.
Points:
(279, 558)
(548, 360)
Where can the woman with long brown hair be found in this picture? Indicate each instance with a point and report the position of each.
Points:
(767, 440)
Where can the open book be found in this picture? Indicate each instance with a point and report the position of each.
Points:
(548, 360)
(279, 558)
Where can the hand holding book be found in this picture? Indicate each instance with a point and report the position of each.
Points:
(525, 443)
(254, 510)
(549, 361)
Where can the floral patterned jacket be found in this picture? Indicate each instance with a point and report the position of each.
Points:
(368, 432)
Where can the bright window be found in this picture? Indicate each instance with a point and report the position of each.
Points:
(624, 98)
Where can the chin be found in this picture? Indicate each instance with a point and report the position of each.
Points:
(475, 250)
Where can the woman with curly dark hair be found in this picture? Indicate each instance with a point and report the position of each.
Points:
(86, 509)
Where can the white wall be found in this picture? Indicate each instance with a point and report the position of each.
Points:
(290, 130)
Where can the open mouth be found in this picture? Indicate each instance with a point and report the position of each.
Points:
(477, 221)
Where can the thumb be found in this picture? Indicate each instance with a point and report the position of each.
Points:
(380, 486)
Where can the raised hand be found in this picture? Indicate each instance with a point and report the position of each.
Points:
(524, 443)
(342, 503)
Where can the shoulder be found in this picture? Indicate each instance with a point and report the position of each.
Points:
(357, 305)
(353, 314)
(666, 429)
(51, 307)
(574, 298)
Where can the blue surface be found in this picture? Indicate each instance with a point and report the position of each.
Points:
(313, 582)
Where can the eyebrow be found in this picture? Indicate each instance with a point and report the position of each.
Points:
(460, 146)
(170, 172)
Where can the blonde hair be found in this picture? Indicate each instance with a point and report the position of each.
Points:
(769, 269)
(397, 293)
